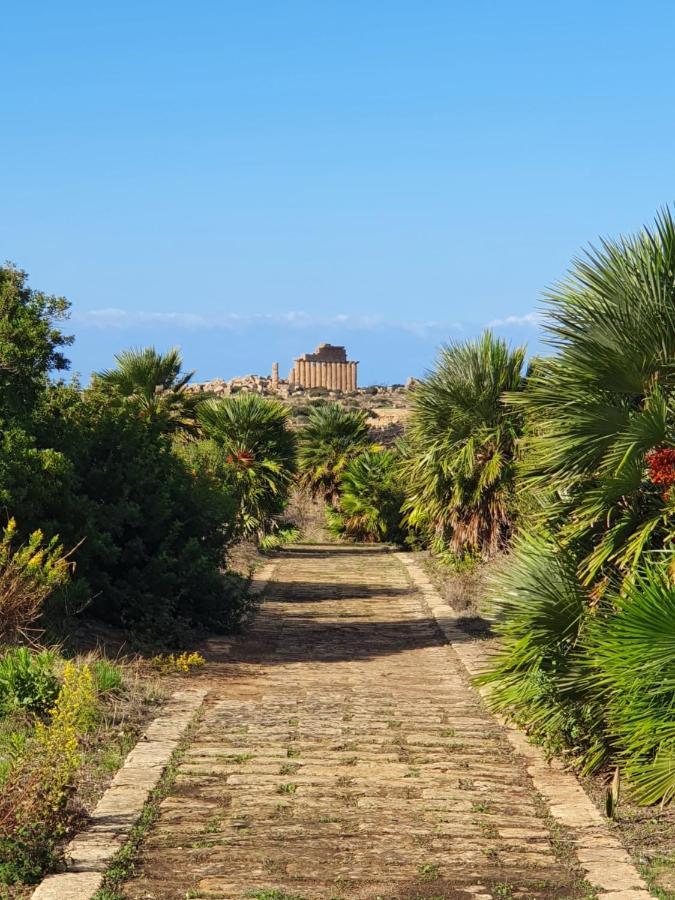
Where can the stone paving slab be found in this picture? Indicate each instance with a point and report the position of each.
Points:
(606, 864)
(89, 854)
(343, 753)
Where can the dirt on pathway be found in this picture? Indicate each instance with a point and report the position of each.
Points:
(342, 753)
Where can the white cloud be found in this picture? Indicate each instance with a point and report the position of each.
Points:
(113, 317)
(533, 318)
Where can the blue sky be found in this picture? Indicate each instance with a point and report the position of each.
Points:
(249, 179)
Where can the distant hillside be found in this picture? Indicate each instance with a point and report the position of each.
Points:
(387, 407)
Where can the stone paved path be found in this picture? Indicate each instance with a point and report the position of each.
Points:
(343, 754)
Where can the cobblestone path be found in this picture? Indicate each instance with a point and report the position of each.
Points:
(343, 754)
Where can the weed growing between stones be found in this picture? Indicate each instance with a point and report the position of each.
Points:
(122, 865)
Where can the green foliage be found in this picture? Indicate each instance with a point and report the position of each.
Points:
(36, 791)
(631, 660)
(285, 534)
(27, 681)
(587, 621)
(370, 501)
(538, 675)
(156, 530)
(207, 462)
(151, 521)
(461, 443)
(259, 449)
(30, 343)
(108, 678)
(605, 399)
(32, 479)
(152, 383)
(331, 438)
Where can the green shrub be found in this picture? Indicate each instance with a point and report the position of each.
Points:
(27, 680)
(155, 528)
(631, 660)
(599, 407)
(330, 439)
(285, 534)
(539, 675)
(16, 731)
(259, 448)
(36, 792)
(459, 464)
(370, 501)
(587, 621)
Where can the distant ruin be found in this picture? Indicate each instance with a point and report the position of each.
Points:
(328, 367)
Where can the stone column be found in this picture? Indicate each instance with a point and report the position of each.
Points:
(343, 377)
(275, 376)
(352, 376)
(291, 375)
(332, 378)
(311, 381)
(356, 375)
(324, 375)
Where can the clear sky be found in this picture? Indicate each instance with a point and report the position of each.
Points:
(247, 179)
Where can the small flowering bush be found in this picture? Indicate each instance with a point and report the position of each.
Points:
(171, 663)
(36, 793)
(28, 575)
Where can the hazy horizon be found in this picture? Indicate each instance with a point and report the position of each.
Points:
(226, 350)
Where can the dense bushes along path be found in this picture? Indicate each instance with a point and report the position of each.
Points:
(342, 753)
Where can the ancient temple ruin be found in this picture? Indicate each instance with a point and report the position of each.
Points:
(328, 367)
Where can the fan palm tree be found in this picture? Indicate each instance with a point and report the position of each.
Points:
(259, 447)
(155, 383)
(370, 498)
(631, 660)
(538, 675)
(601, 413)
(331, 438)
(461, 440)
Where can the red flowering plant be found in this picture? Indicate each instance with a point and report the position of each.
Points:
(242, 458)
(661, 468)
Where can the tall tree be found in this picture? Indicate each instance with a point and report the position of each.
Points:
(31, 342)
